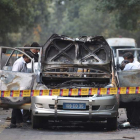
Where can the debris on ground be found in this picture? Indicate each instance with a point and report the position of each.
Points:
(8, 118)
(129, 137)
(125, 125)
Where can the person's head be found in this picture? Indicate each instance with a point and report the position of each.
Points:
(27, 45)
(35, 44)
(26, 59)
(129, 57)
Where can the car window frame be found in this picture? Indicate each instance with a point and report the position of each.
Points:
(127, 49)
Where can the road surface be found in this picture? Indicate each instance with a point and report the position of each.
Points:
(95, 131)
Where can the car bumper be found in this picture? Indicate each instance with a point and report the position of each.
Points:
(52, 106)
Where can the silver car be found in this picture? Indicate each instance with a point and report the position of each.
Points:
(80, 63)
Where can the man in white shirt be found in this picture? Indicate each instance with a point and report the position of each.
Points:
(19, 66)
(132, 110)
(133, 64)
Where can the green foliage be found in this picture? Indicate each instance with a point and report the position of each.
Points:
(77, 18)
(26, 21)
(126, 12)
(17, 14)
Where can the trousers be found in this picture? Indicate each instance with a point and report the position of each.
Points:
(16, 116)
(26, 115)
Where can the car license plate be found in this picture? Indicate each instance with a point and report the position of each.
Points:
(74, 105)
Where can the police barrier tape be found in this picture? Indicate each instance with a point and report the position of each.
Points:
(70, 92)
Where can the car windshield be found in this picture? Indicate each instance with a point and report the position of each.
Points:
(122, 52)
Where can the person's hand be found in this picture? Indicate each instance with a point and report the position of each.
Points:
(124, 62)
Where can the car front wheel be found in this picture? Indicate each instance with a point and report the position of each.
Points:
(112, 123)
(39, 122)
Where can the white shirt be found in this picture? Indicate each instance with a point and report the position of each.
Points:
(132, 66)
(29, 65)
(136, 64)
(20, 65)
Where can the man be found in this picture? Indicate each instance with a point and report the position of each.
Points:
(19, 66)
(129, 63)
(26, 113)
(34, 52)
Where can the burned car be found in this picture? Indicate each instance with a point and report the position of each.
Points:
(76, 63)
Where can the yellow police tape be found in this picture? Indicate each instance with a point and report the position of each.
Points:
(70, 92)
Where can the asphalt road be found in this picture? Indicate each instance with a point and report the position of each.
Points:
(84, 131)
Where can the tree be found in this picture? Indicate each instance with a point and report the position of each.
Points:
(125, 12)
(74, 18)
(15, 14)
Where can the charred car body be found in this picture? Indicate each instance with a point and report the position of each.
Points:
(84, 62)
(67, 63)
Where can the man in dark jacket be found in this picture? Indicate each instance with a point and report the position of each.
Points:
(34, 52)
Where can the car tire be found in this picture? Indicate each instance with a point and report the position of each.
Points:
(112, 123)
(39, 122)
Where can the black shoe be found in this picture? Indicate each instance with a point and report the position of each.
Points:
(11, 126)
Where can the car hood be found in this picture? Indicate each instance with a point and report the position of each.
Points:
(84, 52)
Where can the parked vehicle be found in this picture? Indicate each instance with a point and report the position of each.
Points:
(122, 43)
(61, 60)
(58, 68)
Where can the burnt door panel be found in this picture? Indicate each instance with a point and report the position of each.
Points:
(129, 78)
(10, 80)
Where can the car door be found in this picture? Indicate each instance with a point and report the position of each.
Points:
(10, 80)
(130, 78)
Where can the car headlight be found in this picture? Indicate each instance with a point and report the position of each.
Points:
(108, 107)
